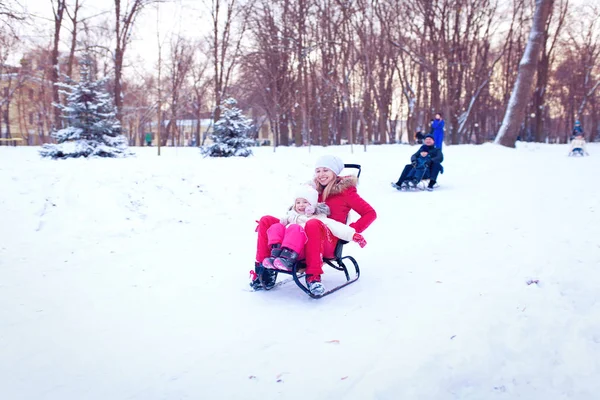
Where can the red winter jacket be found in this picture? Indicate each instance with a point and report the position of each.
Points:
(343, 198)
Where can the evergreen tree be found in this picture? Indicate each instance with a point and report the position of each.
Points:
(230, 133)
(90, 118)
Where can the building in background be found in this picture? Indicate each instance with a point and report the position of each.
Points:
(24, 101)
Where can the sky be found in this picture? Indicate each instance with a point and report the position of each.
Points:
(190, 18)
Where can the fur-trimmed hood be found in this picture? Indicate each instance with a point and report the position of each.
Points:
(322, 209)
(341, 184)
(343, 198)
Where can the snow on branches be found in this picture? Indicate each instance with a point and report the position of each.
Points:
(230, 133)
(90, 119)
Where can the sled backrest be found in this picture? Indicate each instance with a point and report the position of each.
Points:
(340, 244)
(357, 166)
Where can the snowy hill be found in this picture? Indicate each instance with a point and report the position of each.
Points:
(128, 279)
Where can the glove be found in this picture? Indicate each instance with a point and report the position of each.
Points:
(309, 210)
(358, 238)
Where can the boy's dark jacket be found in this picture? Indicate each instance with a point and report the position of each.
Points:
(422, 162)
(435, 154)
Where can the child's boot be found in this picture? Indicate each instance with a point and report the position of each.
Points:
(286, 259)
(275, 252)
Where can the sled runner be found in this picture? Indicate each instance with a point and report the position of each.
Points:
(337, 263)
(421, 186)
(578, 153)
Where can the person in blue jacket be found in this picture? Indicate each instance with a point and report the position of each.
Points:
(577, 130)
(437, 130)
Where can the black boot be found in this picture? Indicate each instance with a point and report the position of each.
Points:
(255, 282)
(269, 277)
(430, 185)
(286, 259)
(276, 250)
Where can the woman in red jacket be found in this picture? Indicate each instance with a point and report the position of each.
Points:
(339, 193)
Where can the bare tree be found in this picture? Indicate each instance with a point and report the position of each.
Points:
(11, 10)
(200, 84)
(226, 43)
(8, 78)
(73, 16)
(94, 38)
(125, 16)
(588, 49)
(269, 65)
(58, 9)
(516, 108)
(180, 64)
(159, 117)
(545, 63)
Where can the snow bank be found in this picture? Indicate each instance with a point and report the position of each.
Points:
(127, 279)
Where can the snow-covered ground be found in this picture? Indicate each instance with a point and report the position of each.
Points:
(128, 279)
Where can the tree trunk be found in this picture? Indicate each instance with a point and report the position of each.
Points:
(198, 124)
(124, 21)
(73, 38)
(517, 105)
(58, 17)
(118, 88)
(284, 131)
(540, 91)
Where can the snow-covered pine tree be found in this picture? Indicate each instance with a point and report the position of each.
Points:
(230, 133)
(90, 118)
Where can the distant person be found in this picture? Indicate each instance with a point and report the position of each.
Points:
(420, 169)
(434, 168)
(148, 139)
(577, 130)
(419, 137)
(437, 130)
(578, 146)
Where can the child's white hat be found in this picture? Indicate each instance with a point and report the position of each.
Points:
(308, 193)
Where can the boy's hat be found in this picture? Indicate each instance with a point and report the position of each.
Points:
(331, 162)
(424, 149)
(308, 193)
(429, 135)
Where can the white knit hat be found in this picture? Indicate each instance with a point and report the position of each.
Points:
(308, 193)
(331, 162)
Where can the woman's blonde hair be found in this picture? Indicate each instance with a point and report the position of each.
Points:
(325, 191)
